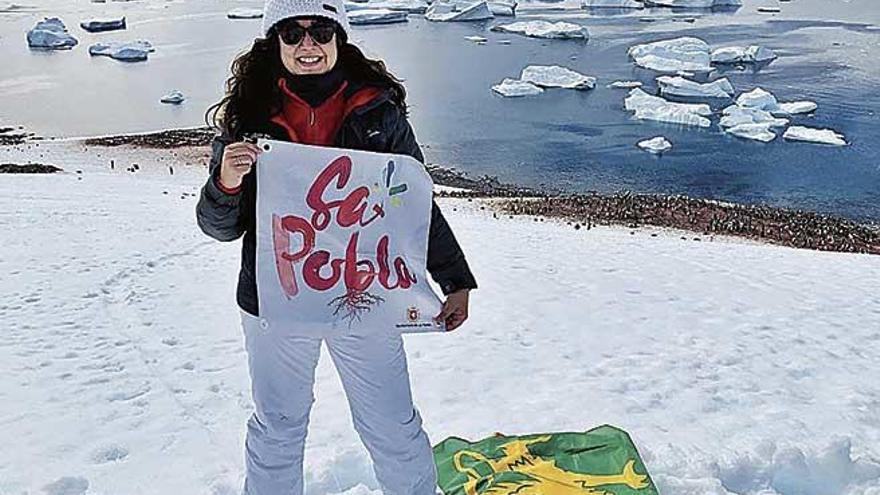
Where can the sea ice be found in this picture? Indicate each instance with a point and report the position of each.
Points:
(514, 87)
(758, 98)
(616, 4)
(99, 25)
(50, 34)
(814, 135)
(648, 107)
(656, 145)
(545, 29)
(554, 76)
(679, 86)
(674, 55)
(245, 13)
(441, 11)
(796, 107)
(753, 54)
(129, 51)
(694, 4)
(625, 84)
(376, 16)
(175, 98)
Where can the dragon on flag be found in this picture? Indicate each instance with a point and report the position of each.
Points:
(602, 461)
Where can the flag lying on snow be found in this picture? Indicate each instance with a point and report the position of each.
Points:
(602, 461)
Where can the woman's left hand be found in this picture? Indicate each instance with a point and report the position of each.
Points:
(455, 309)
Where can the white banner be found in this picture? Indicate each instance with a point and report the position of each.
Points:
(342, 241)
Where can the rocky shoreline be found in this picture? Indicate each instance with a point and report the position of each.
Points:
(794, 228)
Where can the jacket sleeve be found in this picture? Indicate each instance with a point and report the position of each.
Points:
(219, 214)
(446, 262)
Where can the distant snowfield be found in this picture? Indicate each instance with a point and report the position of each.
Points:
(737, 367)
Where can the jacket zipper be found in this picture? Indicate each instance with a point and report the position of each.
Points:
(311, 116)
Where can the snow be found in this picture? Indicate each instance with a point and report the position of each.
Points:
(245, 13)
(752, 54)
(679, 54)
(694, 4)
(655, 145)
(376, 16)
(616, 4)
(625, 84)
(554, 76)
(441, 11)
(129, 51)
(175, 97)
(679, 86)
(813, 135)
(514, 87)
(99, 25)
(50, 34)
(545, 29)
(648, 107)
(738, 368)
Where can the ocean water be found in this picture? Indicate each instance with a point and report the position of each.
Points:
(576, 141)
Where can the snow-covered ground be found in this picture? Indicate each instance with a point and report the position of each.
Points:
(737, 367)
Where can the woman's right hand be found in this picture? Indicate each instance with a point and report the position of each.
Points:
(238, 159)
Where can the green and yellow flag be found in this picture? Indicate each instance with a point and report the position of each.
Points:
(602, 461)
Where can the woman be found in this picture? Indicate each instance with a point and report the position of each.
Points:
(304, 82)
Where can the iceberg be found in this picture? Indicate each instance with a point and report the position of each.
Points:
(755, 132)
(736, 115)
(50, 34)
(656, 145)
(554, 76)
(680, 54)
(376, 16)
(753, 54)
(245, 13)
(612, 4)
(625, 84)
(131, 51)
(758, 98)
(441, 11)
(99, 25)
(408, 6)
(175, 98)
(545, 29)
(502, 8)
(514, 88)
(679, 86)
(476, 39)
(647, 107)
(796, 107)
(814, 135)
(694, 4)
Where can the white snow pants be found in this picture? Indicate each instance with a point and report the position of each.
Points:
(376, 381)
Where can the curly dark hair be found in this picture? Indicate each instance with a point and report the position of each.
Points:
(252, 93)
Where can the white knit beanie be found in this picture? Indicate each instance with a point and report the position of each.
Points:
(278, 10)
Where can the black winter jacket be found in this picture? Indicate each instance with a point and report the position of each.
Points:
(379, 126)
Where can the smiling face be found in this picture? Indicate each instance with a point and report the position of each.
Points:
(308, 56)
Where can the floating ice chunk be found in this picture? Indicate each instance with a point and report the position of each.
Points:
(245, 13)
(476, 39)
(376, 16)
(647, 107)
(813, 135)
(502, 8)
(175, 98)
(441, 11)
(615, 4)
(625, 84)
(758, 98)
(99, 25)
(545, 29)
(735, 115)
(554, 76)
(694, 4)
(409, 6)
(679, 54)
(514, 87)
(656, 145)
(796, 107)
(755, 132)
(753, 54)
(50, 34)
(679, 86)
(131, 51)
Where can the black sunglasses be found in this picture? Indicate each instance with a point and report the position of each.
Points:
(320, 31)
